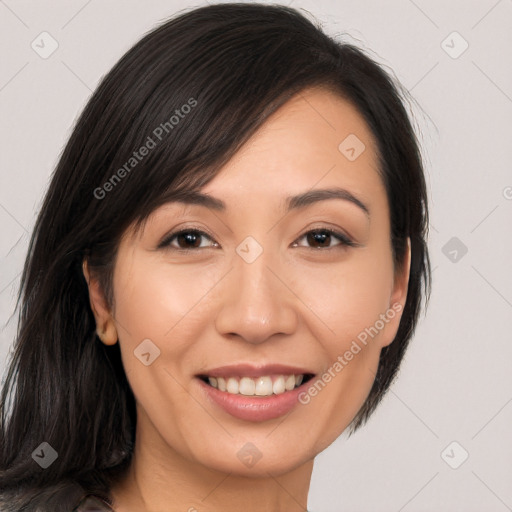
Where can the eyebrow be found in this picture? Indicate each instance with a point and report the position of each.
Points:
(291, 203)
(315, 195)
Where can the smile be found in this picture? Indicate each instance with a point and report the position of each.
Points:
(265, 385)
(253, 392)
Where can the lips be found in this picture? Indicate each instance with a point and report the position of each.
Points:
(254, 393)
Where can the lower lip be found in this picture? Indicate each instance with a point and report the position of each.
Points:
(253, 408)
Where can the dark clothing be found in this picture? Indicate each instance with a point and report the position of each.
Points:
(93, 504)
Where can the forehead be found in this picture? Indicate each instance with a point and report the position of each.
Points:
(315, 140)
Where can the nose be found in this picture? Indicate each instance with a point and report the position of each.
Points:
(256, 302)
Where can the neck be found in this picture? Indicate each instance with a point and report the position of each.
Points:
(162, 480)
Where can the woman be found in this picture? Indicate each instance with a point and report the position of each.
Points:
(224, 276)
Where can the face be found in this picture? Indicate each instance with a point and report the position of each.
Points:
(255, 291)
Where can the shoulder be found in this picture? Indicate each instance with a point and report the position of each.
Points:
(93, 503)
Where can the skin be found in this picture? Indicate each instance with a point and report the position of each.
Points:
(300, 303)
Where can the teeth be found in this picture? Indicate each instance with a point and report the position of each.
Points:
(221, 384)
(247, 386)
(264, 386)
(232, 386)
(260, 386)
(278, 385)
(289, 383)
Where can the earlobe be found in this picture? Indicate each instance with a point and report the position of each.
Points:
(108, 332)
(105, 326)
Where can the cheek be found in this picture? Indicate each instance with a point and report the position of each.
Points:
(153, 299)
(347, 297)
(169, 304)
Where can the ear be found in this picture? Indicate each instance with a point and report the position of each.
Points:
(105, 326)
(397, 299)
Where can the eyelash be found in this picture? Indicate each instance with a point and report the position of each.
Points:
(344, 241)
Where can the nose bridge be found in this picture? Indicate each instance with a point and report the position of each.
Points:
(257, 284)
(256, 304)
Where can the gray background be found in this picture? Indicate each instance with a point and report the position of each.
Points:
(456, 381)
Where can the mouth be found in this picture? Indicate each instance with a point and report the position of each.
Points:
(253, 393)
(261, 386)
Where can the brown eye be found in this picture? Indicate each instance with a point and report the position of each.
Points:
(325, 239)
(187, 239)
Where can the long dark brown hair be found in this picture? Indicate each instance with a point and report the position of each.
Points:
(233, 65)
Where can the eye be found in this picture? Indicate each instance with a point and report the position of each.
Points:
(323, 239)
(187, 239)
